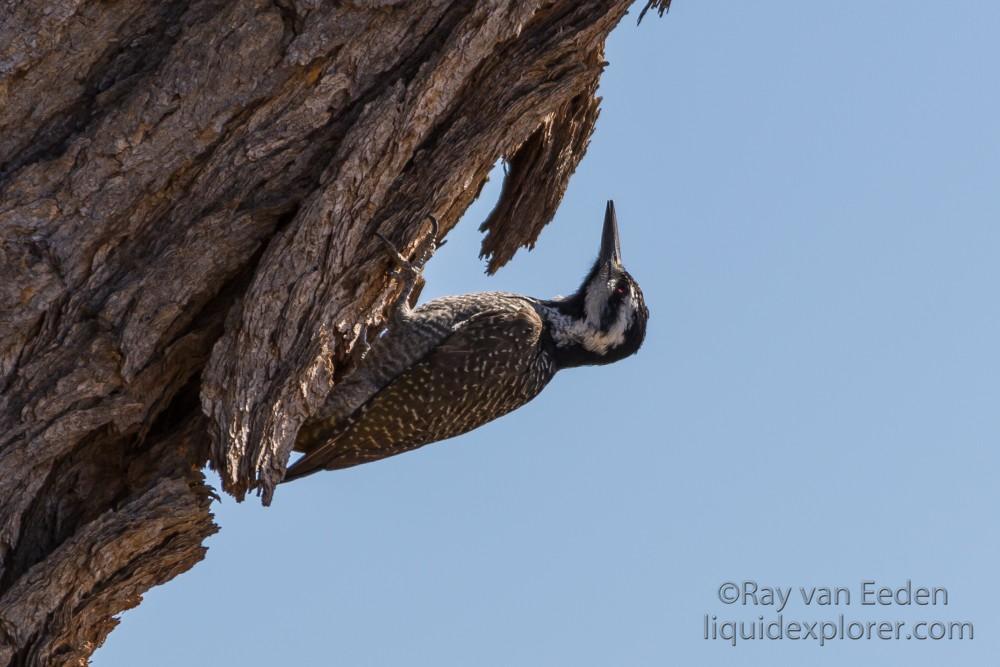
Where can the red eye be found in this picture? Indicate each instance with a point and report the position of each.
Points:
(622, 288)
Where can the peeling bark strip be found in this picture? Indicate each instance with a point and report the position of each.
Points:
(188, 192)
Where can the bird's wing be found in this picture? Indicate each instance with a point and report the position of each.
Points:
(401, 346)
(478, 372)
(404, 344)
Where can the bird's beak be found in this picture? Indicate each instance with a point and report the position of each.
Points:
(611, 251)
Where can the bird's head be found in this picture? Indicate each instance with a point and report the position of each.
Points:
(605, 320)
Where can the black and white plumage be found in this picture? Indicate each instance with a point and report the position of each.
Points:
(458, 362)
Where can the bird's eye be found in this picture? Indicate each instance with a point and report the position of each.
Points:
(621, 288)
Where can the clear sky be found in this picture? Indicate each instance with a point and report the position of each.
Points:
(808, 195)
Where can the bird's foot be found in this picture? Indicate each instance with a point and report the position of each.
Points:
(362, 346)
(409, 270)
(415, 266)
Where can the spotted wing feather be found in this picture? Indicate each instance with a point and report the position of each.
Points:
(491, 363)
(405, 343)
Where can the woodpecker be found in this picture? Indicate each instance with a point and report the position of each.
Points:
(458, 362)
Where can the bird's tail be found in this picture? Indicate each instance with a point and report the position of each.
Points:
(324, 457)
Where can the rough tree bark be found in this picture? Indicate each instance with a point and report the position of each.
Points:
(188, 193)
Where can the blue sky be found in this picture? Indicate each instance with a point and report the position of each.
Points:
(808, 195)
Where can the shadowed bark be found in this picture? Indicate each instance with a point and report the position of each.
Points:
(188, 195)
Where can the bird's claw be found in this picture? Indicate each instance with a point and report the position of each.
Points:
(409, 270)
(416, 266)
(396, 255)
(362, 345)
(436, 240)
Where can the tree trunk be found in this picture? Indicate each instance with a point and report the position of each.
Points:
(188, 195)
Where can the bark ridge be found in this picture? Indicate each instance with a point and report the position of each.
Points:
(188, 195)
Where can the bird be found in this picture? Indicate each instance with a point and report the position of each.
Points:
(455, 363)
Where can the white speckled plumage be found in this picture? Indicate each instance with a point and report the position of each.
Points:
(458, 362)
